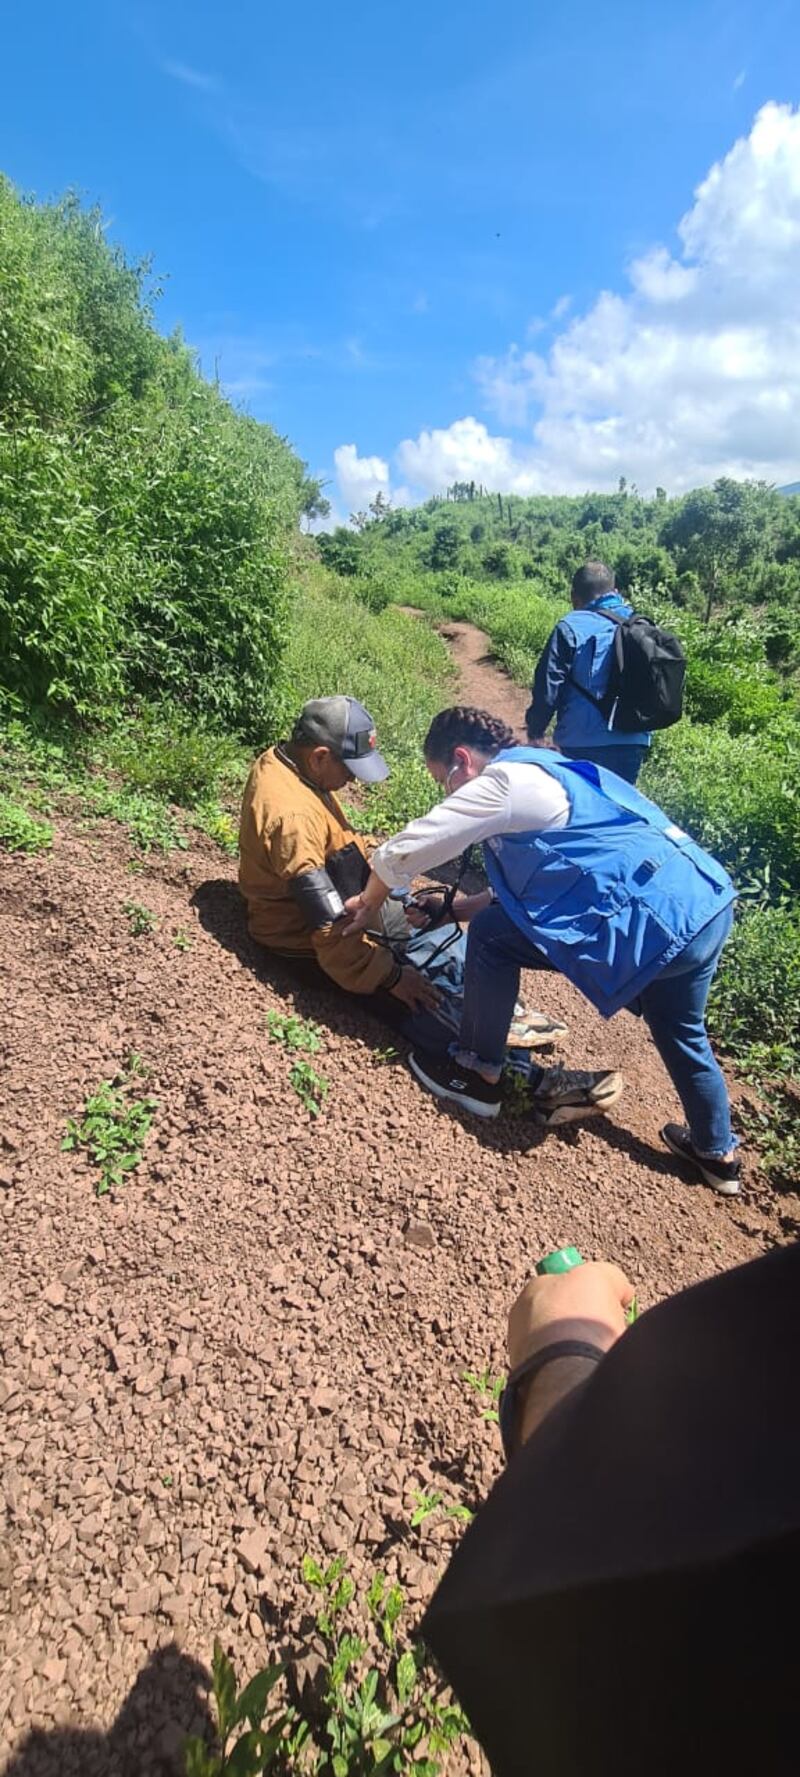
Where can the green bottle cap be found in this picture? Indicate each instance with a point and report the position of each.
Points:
(565, 1259)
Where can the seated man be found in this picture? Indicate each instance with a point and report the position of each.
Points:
(300, 859)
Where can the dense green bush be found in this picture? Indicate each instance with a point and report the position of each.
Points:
(736, 795)
(143, 522)
(161, 753)
(754, 1010)
(747, 701)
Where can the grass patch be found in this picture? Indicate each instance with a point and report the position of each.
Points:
(162, 756)
(773, 1126)
(395, 665)
(21, 831)
(754, 1006)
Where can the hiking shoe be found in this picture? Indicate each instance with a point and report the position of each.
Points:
(443, 1077)
(724, 1176)
(568, 1095)
(532, 1030)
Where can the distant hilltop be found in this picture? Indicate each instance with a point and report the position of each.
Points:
(792, 487)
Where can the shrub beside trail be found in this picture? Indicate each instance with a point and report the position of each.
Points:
(144, 523)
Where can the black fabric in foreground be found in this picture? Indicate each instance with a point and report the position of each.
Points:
(627, 1599)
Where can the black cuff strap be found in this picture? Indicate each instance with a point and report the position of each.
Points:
(526, 1371)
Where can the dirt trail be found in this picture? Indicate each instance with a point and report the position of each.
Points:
(256, 1349)
(481, 681)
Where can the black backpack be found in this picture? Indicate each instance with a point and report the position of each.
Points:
(645, 688)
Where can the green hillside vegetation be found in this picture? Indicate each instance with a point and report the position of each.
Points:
(161, 617)
(143, 522)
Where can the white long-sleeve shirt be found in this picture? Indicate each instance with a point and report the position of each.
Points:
(512, 798)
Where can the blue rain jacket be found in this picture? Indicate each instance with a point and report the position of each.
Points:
(581, 647)
(614, 896)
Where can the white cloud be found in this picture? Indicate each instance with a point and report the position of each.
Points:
(203, 83)
(465, 451)
(696, 371)
(359, 478)
(739, 80)
(693, 372)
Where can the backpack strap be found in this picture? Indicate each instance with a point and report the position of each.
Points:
(598, 703)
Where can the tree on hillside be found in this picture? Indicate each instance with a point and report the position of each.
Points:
(717, 530)
(380, 507)
(445, 547)
(341, 551)
(313, 502)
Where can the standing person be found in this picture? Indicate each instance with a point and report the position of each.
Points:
(588, 877)
(572, 676)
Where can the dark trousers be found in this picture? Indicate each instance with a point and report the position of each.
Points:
(627, 762)
(422, 1029)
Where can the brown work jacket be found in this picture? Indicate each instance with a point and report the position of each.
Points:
(287, 826)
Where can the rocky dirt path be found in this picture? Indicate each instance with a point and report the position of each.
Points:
(481, 681)
(256, 1348)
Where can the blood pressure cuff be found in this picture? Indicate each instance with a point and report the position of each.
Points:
(321, 894)
(348, 870)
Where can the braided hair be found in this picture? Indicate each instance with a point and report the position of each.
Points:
(464, 726)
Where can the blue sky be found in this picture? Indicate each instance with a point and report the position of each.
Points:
(384, 223)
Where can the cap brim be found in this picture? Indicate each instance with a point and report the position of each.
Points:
(371, 769)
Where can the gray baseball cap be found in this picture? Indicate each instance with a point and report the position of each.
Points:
(348, 729)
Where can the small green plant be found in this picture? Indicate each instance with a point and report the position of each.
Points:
(293, 1032)
(312, 1088)
(114, 1127)
(429, 1505)
(488, 1389)
(141, 919)
(181, 939)
(20, 831)
(253, 1750)
(367, 1715)
(516, 1092)
(218, 825)
(381, 1057)
(425, 1504)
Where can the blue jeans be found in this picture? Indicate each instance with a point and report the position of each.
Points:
(673, 1007)
(627, 761)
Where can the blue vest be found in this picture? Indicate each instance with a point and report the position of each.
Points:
(578, 721)
(616, 894)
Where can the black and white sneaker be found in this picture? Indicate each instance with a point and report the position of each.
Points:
(534, 1030)
(724, 1176)
(569, 1095)
(443, 1077)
